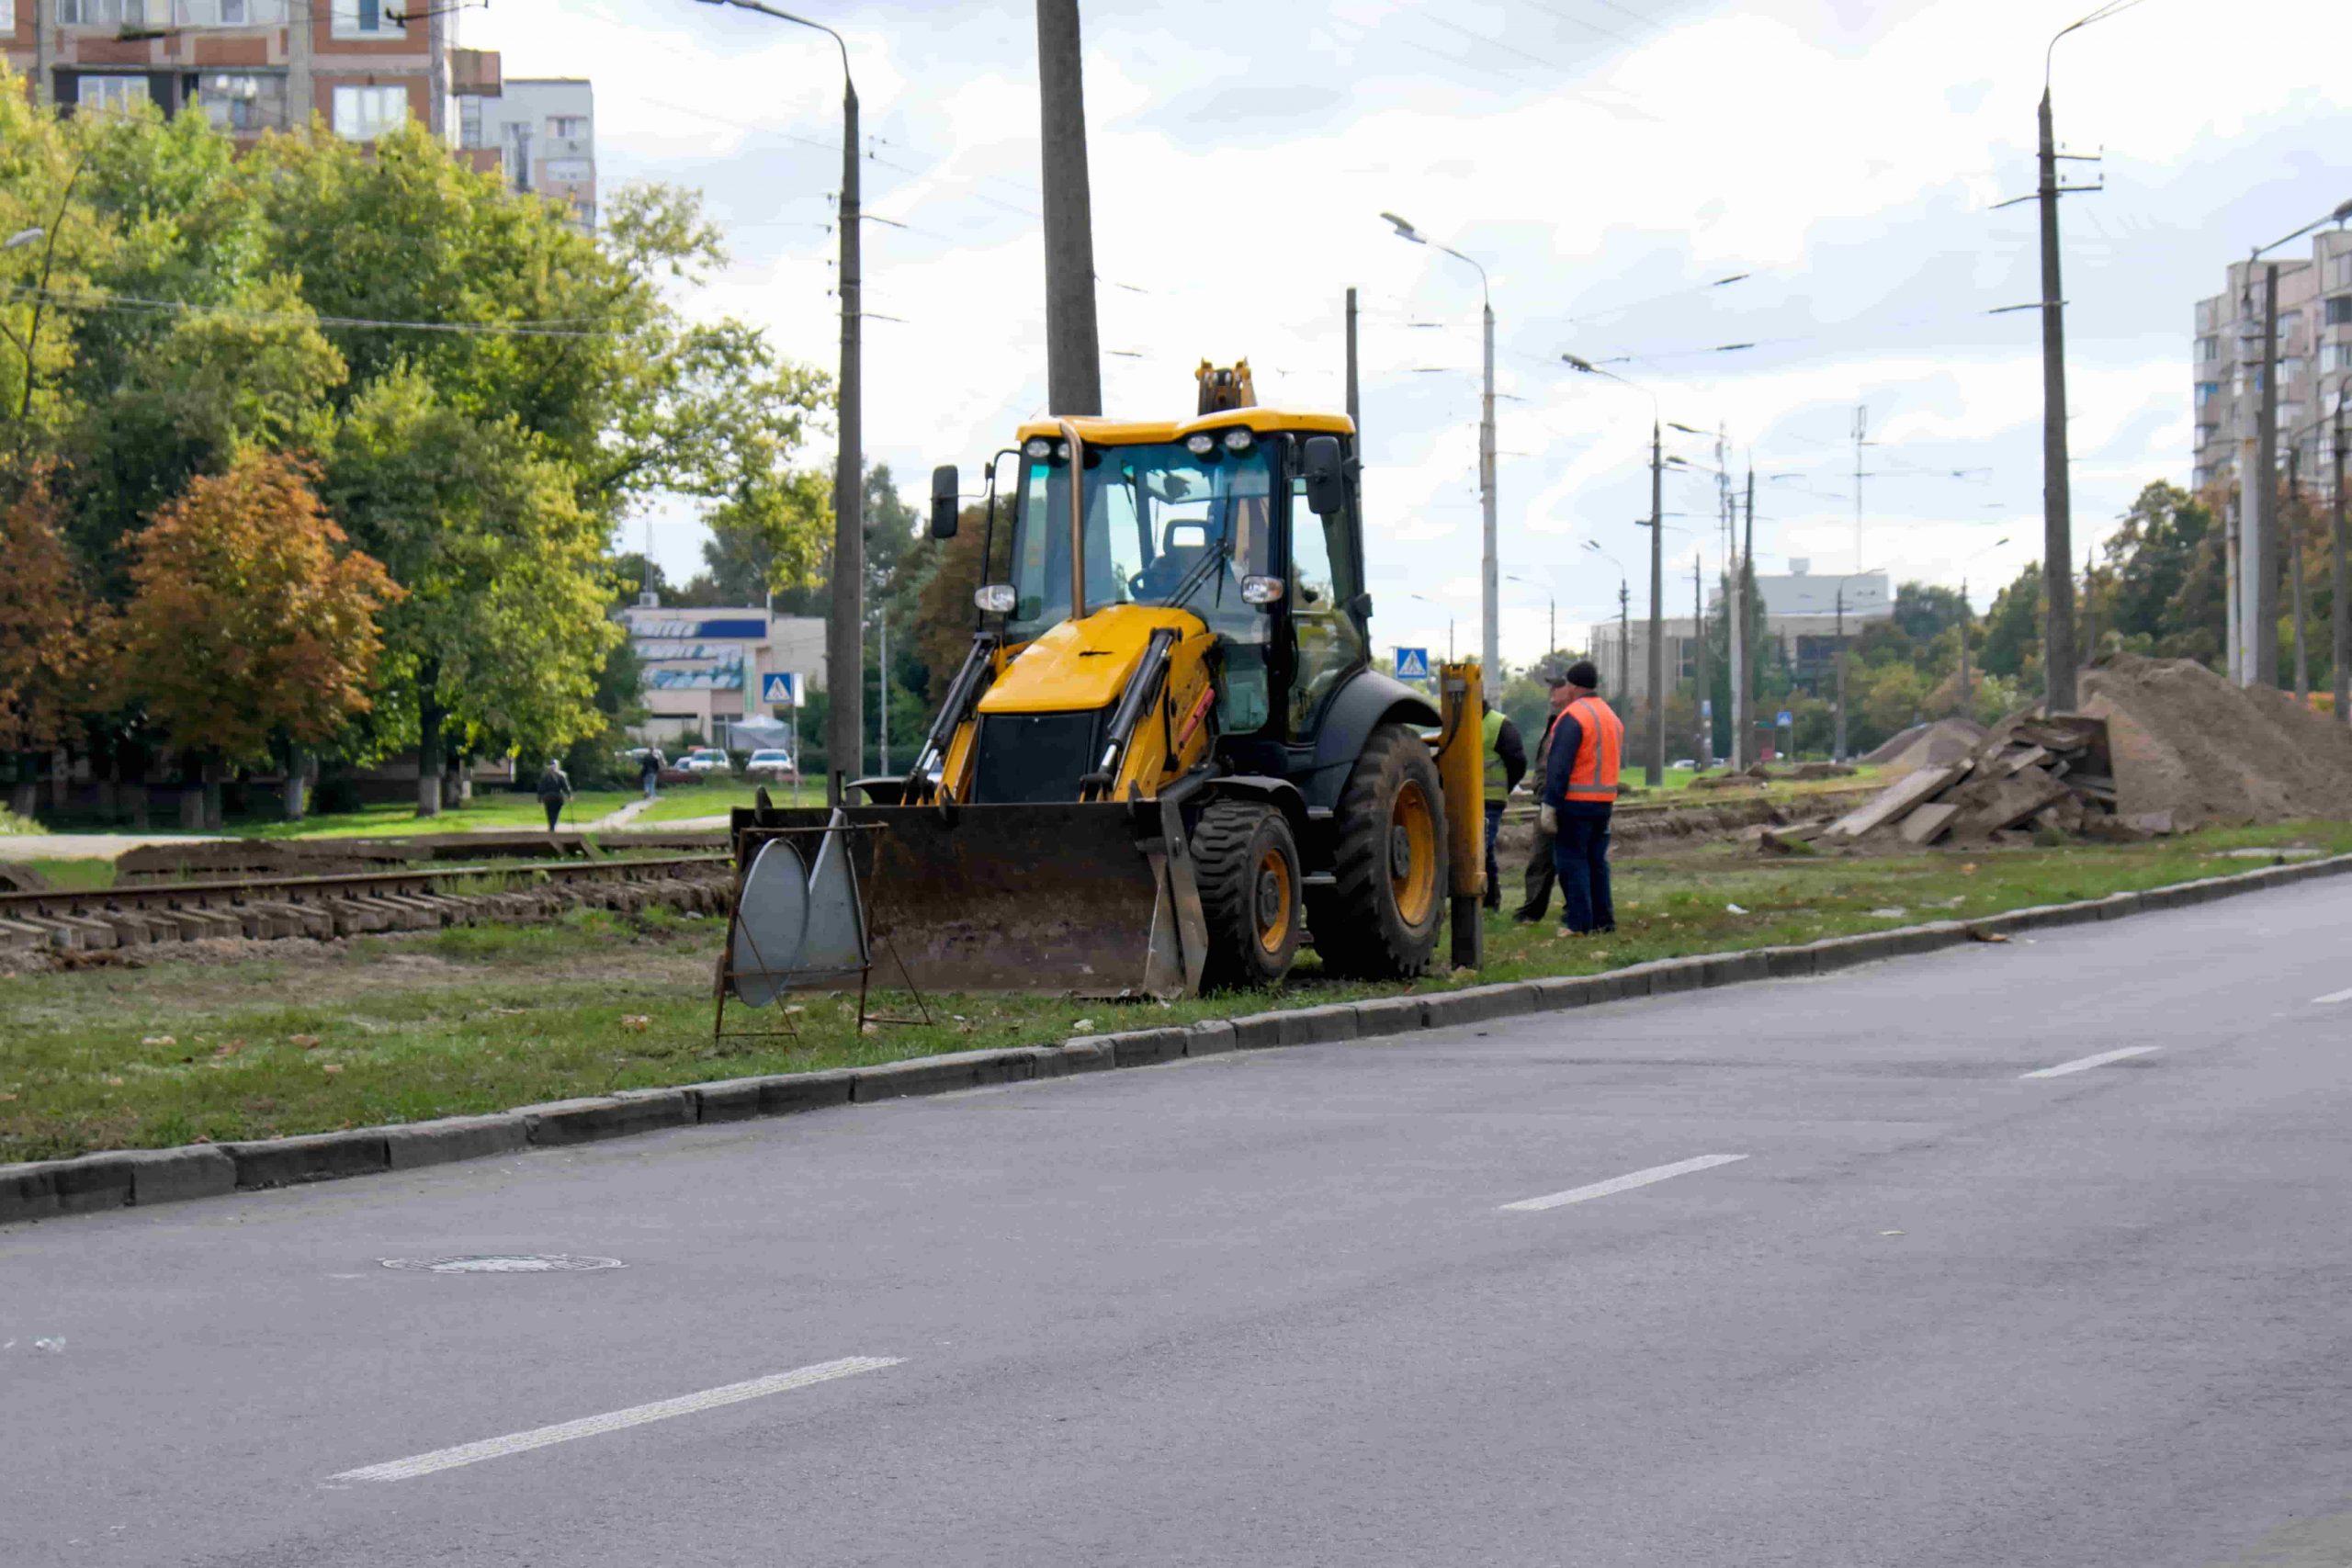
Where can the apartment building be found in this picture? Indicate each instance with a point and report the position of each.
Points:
(2314, 360)
(363, 67)
(541, 132)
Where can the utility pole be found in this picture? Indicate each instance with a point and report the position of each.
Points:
(1748, 618)
(2339, 617)
(1073, 353)
(1355, 412)
(1490, 586)
(1625, 633)
(1967, 614)
(1706, 703)
(2258, 552)
(2294, 554)
(1861, 424)
(2233, 526)
(1735, 655)
(1654, 772)
(2090, 605)
(882, 686)
(2057, 545)
(1838, 753)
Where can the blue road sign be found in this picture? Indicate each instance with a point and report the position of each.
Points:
(1785, 719)
(1412, 664)
(781, 689)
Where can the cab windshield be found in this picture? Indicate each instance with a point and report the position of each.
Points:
(1163, 526)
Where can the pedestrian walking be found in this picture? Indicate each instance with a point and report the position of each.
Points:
(1541, 872)
(648, 771)
(1580, 792)
(1506, 765)
(554, 791)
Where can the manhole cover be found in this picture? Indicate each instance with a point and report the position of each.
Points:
(506, 1263)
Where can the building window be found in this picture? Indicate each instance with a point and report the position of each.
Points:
(243, 105)
(101, 13)
(568, 127)
(2288, 321)
(470, 123)
(2208, 350)
(2339, 310)
(2290, 368)
(2290, 415)
(228, 12)
(108, 95)
(365, 18)
(363, 114)
(8, 15)
(2335, 357)
(2339, 271)
(571, 171)
(2207, 391)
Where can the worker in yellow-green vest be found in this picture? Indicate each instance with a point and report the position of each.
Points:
(1506, 764)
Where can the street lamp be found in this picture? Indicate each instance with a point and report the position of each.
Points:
(845, 619)
(1449, 622)
(2258, 544)
(1490, 641)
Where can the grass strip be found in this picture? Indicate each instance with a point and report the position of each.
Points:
(307, 1038)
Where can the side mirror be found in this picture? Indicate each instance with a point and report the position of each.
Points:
(946, 490)
(1325, 475)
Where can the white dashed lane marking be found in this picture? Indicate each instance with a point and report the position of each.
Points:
(1625, 1183)
(2084, 1063)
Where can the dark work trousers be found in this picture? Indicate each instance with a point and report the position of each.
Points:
(555, 810)
(1582, 855)
(1493, 877)
(1541, 872)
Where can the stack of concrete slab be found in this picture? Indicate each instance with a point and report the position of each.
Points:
(2030, 776)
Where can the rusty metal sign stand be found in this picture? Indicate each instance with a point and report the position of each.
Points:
(750, 843)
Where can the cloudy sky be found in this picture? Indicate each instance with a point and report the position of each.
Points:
(1605, 160)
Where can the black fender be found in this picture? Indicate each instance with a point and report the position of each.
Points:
(1281, 793)
(1368, 700)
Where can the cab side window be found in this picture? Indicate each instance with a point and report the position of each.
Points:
(1323, 577)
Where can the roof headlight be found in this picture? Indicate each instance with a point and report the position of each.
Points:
(1239, 440)
(1262, 590)
(1037, 448)
(997, 598)
(1200, 444)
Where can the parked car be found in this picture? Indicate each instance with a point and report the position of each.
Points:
(673, 772)
(707, 759)
(773, 763)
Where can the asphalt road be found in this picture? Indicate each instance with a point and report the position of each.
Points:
(1279, 1308)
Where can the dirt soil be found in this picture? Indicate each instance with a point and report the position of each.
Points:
(2187, 741)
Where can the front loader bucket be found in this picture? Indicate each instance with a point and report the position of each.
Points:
(1058, 899)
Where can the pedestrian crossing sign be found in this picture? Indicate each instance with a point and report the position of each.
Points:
(1412, 664)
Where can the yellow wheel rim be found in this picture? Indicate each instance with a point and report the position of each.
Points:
(1275, 899)
(1412, 854)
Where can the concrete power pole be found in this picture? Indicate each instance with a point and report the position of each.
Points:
(1489, 570)
(1073, 352)
(1747, 621)
(2258, 546)
(2339, 616)
(1653, 771)
(1705, 754)
(1837, 752)
(1355, 410)
(1967, 705)
(2057, 507)
(846, 614)
(2297, 607)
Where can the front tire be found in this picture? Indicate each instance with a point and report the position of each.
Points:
(1381, 918)
(1245, 863)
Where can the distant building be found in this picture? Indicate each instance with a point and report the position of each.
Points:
(541, 132)
(2314, 358)
(364, 66)
(704, 668)
(1801, 626)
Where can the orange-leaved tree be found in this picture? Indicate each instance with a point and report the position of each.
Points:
(49, 634)
(251, 622)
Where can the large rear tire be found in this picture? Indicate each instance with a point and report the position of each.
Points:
(1245, 863)
(1381, 918)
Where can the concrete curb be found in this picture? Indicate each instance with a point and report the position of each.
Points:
(137, 1177)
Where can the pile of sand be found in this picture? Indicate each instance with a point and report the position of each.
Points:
(2187, 741)
(1936, 745)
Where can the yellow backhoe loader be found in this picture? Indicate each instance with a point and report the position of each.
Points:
(1167, 760)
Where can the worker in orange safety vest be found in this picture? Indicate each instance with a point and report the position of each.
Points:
(1581, 761)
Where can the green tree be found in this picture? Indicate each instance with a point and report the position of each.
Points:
(2012, 644)
(504, 629)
